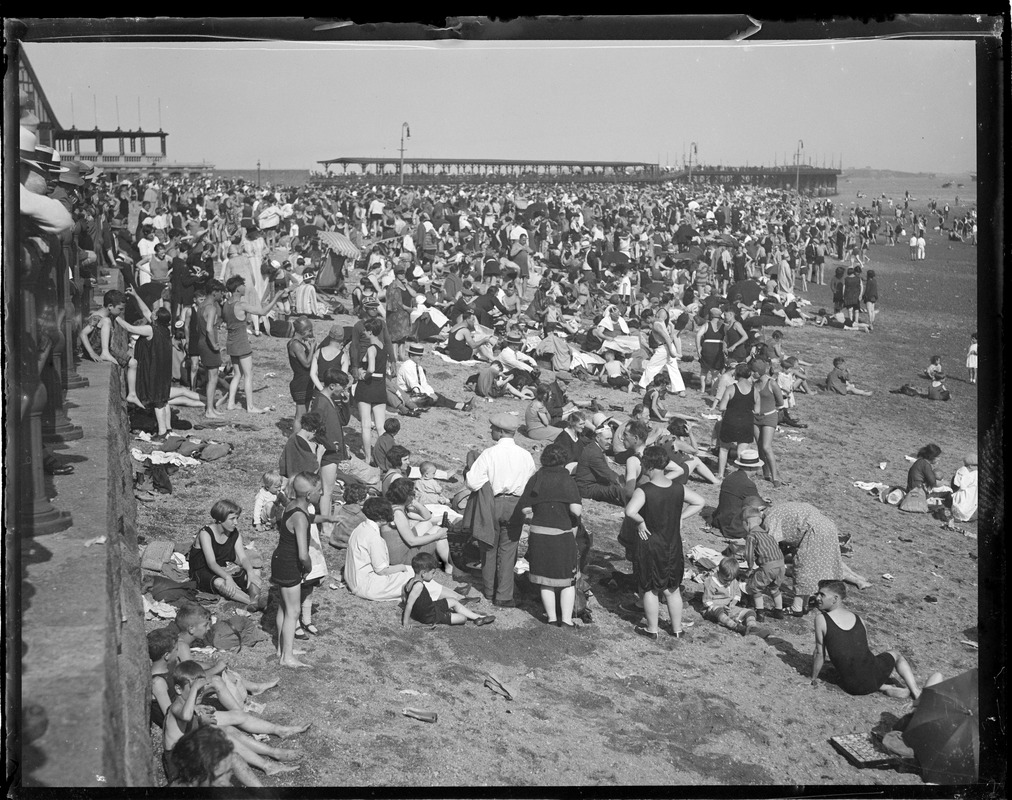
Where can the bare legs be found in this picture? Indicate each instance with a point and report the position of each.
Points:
(369, 414)
(300, 409)
(245, 374)
(764, 438)
(287, 619)
(212, 386)
(651, 609)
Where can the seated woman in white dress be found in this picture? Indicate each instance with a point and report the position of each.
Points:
(367, 568)
(964, 496)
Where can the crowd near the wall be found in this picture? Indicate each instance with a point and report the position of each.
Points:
(658, 291)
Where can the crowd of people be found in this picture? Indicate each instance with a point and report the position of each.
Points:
(611, 284)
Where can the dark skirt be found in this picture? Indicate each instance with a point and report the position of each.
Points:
(553, 556)
(658, 565)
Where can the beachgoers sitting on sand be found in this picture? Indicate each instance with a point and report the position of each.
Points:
(838, 380)
(841, 638)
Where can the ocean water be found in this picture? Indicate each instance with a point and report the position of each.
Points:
(922, 189)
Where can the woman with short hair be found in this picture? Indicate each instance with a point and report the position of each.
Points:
(403, 540)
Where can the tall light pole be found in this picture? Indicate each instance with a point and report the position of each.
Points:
(258, 173)
(692, 149)
(404, 130)
(797, 161)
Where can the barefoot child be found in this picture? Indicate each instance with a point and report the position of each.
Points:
(423, 601)
(721, 594)
(192, 622)
(291, 561)
(182, 717)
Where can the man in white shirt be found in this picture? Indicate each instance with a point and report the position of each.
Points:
(512, 359)
(505, 467)
(411, 379)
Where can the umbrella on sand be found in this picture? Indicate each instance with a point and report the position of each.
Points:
(944, 731)
(615, 258)
(339, 243)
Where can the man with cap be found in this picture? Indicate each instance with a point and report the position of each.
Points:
(411, 380)
(596, 480)
(505, 468)
(737, 491)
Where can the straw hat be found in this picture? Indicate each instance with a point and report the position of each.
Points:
(748, 459)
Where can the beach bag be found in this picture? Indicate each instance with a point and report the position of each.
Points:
(318, 570)
(214, 451)
(361, 471)
(234, 633)
(915, 502)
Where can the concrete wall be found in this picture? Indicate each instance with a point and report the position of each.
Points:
(84, 653)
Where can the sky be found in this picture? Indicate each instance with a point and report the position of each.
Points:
(896, 104)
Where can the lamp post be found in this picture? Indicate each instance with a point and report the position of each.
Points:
(405, 130)
(797, 172)
(258, 173)
(692, 149)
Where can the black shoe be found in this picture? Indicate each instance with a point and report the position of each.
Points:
(505, 603)
(776, 613)
(641, 630)
(58, 469)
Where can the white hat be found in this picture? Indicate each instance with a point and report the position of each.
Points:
(517, 232)
(748, 459)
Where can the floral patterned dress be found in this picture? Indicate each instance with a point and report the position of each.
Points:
(817, 539)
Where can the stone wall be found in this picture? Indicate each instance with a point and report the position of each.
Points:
(85, 674)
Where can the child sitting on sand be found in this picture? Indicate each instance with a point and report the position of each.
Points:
(614, 372)
(266, 498)
(348, 515)
(423, 600)
(721, 594)
(428, 490)
(793, 367)
(934, 369)
(838, 380)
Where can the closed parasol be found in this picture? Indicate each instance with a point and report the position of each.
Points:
(339, 243)
(944, 731)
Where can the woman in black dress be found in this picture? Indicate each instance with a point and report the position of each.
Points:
(736, 406)
(552, 506)
(218, 560)
(300, 352)
(371, 390)
(153, 353)
(657, 508)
